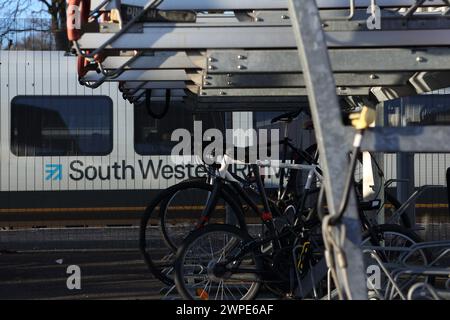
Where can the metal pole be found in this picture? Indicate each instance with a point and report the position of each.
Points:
(405, 171)
(448, 188)
(330, 133)
(379, 157)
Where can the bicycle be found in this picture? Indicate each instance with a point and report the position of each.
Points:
(256, 254)
(174, 229)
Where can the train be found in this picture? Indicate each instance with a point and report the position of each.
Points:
(72, 156)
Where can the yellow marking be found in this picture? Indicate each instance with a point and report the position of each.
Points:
(431, 205)
(96, 209)
(136, 209)
(304, 251)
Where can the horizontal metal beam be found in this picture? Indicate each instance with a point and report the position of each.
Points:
(433, 139)
(297, 80)
(342, 60)
(266, 99)
(347, 91)
(156, 85)
(334, 20)
(260, 4)
(142, 75)
(428, 81)
(246, 104)
(390, 93)
(420, 82)
(160, 61)
(258, 37)
(243, 106)
(162, 100)
(160, 93)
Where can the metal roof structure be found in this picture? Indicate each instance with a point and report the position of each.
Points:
(236, 52)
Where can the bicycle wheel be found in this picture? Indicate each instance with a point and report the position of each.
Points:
(181, 210)
(205, 269)
(153, 244)
(394, 236)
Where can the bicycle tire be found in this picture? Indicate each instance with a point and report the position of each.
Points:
(157, 268)
(191, 240)
(382, 228)
(235, 206)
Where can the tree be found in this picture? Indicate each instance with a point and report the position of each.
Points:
(34, 11)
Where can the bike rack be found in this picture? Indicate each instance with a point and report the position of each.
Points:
(438, 251)
(412, 198)
(271, 55)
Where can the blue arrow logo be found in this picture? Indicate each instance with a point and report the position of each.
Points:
(54, 172)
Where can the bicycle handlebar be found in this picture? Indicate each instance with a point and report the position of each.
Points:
(392, 181)
(288, 116)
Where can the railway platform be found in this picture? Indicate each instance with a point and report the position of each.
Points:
(33, 263)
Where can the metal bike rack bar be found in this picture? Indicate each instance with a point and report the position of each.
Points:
(262, 92)
(287, 80)
(160, 93)
(433, 139)
(342, 60)
(157, 85)
(143, 75)
(171, 38)
(166, 60)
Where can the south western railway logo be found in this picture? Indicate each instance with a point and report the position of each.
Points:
(53, 172)
(121, 170)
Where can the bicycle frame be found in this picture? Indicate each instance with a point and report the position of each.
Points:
(224, 177)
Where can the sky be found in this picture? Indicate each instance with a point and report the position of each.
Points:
(35, 6)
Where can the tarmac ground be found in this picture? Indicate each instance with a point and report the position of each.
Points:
(35, 264)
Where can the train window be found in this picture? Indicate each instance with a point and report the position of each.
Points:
(153, 137)
(61, 126)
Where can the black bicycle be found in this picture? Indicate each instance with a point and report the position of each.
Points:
(179, 209)
(225, 262)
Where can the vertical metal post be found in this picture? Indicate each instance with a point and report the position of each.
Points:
(405, 171)
(379, 157)
(326, 114)
(373, 183)
(448, 188)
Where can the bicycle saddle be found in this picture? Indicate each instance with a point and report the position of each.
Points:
(287, 117)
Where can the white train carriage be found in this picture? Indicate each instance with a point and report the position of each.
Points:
(75, 156)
